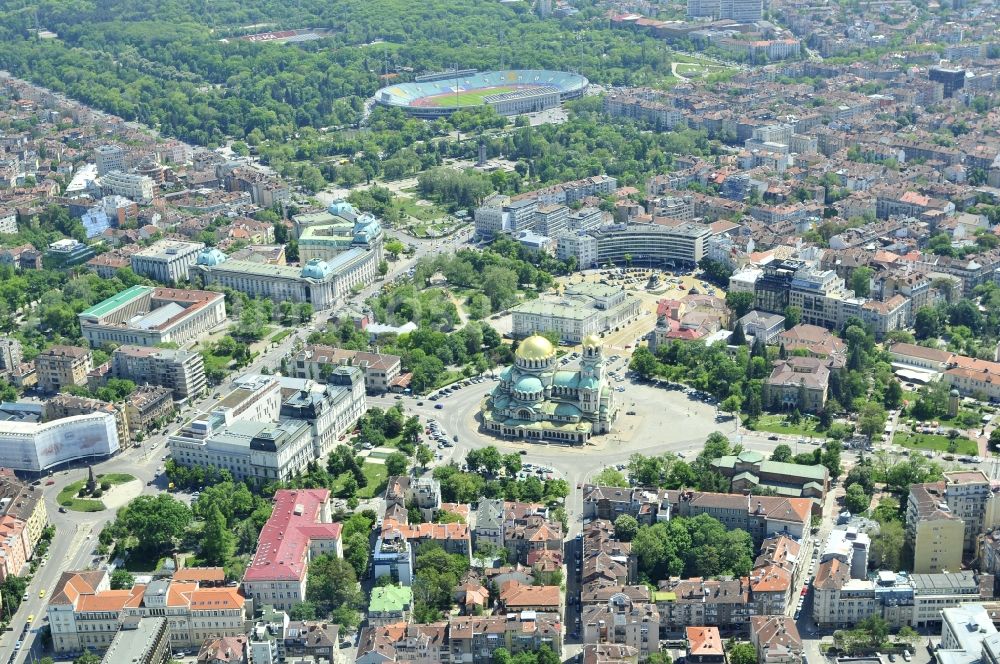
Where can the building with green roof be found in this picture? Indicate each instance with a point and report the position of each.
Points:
(147, 316)
(750, 470)
(390, 604)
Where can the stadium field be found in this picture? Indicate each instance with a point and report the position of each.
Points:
(464, 98)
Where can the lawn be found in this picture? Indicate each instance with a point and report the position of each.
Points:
(215, 362)
(468, 97)
(68, 496)
(139, 563)
(280, 335)
(780, 424)
(376, 475)
(928, 441)
(409, 207)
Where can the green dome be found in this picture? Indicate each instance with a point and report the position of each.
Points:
(750, 456)
(528, 385)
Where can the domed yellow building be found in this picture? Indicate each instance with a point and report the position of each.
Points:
(536, 401)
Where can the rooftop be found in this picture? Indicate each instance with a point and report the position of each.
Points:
(390, 599)
(135, 640)
(284, 540)
(115, 301)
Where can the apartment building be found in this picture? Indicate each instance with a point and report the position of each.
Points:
(62, 406)
(623, 622)
(704, 646)
(275, 639)
(317, 362)
(460, 640)
(724, 603)
(109, 158)
(11, 354)
(180, 371)
(61, 366)
(901, 599)
(607, 503)
(776, 640)
(577, 245)
(938, 513)
(23, 518)
(138, 188)
(299, 529)
(85, 614)
(393, 557)
(166, 261)
(645, 104)
(147, 406)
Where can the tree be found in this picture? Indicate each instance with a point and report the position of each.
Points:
(995, 438)
(303, 611)
(742, 653)
(862, 475)
(856, 500)
(396, 464)
(731, 404)
(218, 543)
(424, 455)
(887, 545)
(610, 477)
(871, 420)
(782, 453)
(154, 522)
(122, 579)
(926, 324)
(644, 362)
(792, 315)
(332, 582)
(394, 247)
(830, 457)
(511, 464)
(738, 338)
(740, 302)
(356, 552)
(626, 527)
(87, 658)
(861, 281)
(893, 397)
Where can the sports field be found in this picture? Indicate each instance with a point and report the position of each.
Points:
(465, 97)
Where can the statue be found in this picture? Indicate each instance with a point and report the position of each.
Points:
(91, 482)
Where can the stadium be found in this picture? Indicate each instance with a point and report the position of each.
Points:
(510, 92)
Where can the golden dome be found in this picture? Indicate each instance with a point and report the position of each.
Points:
(535, 347)
(591, 341)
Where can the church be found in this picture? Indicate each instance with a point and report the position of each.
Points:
(535, 401)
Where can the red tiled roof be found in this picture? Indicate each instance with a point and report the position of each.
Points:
(281, 550)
